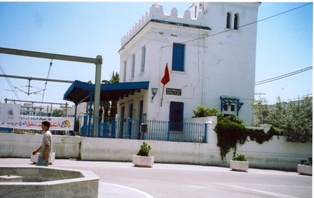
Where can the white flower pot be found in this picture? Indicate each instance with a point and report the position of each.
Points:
(143, 161)
(303, 169)
(239, 165)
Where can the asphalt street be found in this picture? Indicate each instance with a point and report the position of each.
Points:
(122, 179)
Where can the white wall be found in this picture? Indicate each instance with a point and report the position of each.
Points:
(220, 64)
(22, 145)
(275, 154)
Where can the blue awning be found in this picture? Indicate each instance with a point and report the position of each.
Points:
(81, 92)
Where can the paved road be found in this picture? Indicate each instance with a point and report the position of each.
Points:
(122, 179)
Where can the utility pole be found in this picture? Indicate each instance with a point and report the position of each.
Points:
(97, 61)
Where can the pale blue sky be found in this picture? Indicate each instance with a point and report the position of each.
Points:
(284, 44)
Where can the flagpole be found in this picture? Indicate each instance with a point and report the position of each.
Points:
(162, 94)
(165, 79)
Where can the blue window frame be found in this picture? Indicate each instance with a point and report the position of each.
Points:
(178, 57)
(176, 116)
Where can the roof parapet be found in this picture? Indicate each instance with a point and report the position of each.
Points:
(156, 12)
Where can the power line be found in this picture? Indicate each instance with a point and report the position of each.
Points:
(282, 76)
(10, 84)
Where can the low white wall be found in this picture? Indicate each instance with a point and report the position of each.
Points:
(275, 154)
(21, 145)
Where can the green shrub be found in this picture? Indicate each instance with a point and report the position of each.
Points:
(307, 163)
(205, 112)
(231, 132)
(229, 135)
(239, 157)
(259, 136)
(144, 150)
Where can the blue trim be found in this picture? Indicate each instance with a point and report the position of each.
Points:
(129, 128)
(178, 57)
(82, 92)
(125, 86)
(205, 133)
(227, 100)
(84, 127)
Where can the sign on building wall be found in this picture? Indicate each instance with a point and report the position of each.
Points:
(10, 117)
(9, 113)
(172, 91)
(57, 123)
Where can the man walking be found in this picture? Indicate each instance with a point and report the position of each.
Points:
(46, 146)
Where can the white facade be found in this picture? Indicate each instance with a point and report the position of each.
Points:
(218, 60)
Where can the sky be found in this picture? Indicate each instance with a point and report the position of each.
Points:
(284, 44)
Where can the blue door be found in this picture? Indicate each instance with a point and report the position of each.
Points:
(176, 116)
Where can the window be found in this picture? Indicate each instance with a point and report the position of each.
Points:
(176, 116)
(143, 59)
(133, 66)
(124, 74)
(178, 57)
(233, 108)
(236, 22)
(229, 109)
(228, 24)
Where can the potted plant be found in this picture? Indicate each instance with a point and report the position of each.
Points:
(142, 158)
(305, 168)
(239, 163)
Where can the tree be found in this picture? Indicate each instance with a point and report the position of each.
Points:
(293, 117)
(57, 113)
(110, 107)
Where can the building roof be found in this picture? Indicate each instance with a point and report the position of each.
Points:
(80, 92)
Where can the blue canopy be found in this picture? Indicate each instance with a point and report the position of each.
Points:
(81, 92)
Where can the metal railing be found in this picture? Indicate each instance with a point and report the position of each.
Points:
(127, 128)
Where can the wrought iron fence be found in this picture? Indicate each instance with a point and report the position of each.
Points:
(127, 128)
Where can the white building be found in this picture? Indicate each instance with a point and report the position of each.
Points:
(210, 52)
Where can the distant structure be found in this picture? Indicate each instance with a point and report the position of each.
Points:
(210, 52)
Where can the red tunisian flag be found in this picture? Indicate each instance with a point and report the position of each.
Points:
(166, 77)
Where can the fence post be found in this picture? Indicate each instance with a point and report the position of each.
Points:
(113, 128)
(84, 128)
(168, 135)
(129, 127)
(205, 133)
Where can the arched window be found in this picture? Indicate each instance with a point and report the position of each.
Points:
(228, 24)
(236, 22)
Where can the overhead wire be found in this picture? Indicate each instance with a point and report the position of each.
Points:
(10, 84)
(44, 90)
(283, 76)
